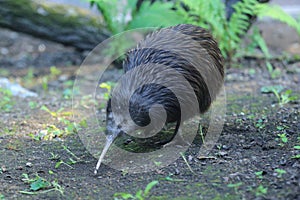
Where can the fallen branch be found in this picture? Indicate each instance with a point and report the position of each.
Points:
(67, 25)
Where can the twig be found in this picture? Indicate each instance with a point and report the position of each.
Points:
(186, 162)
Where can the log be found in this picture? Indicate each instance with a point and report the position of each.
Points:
(67, 25)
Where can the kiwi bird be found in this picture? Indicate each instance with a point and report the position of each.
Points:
(172, 75)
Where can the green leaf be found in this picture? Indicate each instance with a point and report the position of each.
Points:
(45, 109)
(285, 140)
(270, 89)
(149, 187)
(139, 195)
(50, 172)
(296, 156)
(234, 185)
(124, 195)
(58, 164)
(261, 43)
(39, 184)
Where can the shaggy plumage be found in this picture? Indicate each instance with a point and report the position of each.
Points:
(172, 75)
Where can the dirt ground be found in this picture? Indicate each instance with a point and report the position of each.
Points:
(249, 161)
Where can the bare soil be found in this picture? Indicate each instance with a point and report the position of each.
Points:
(249, 161)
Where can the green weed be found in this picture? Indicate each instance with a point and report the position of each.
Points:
(297, 156)
(140, 194)
(261, 190)
(88, 101)
(108, 86)
(280, 172)
(283, 97)
(5, 73)
(31, 79)
(235, 186)
(6, 101)
(71, 160)
(260, 123)
(283, 138)
(171, 179)
(33, 104)
(69, 163)
(259, 174)
(54, 156)
(274, 73)
(51, 131)
(69, 91)
(39, 185)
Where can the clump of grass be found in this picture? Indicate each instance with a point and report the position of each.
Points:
(140, 194)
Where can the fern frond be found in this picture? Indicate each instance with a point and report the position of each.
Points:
(277, 13)
(240, 20)
(238, 25)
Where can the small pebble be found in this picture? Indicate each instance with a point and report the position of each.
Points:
(177, 172)
(222, 153)
(226, 179)
(3, 169)
(29, 164)
(4, 51)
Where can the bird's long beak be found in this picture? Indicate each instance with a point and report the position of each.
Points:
(109, 140)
